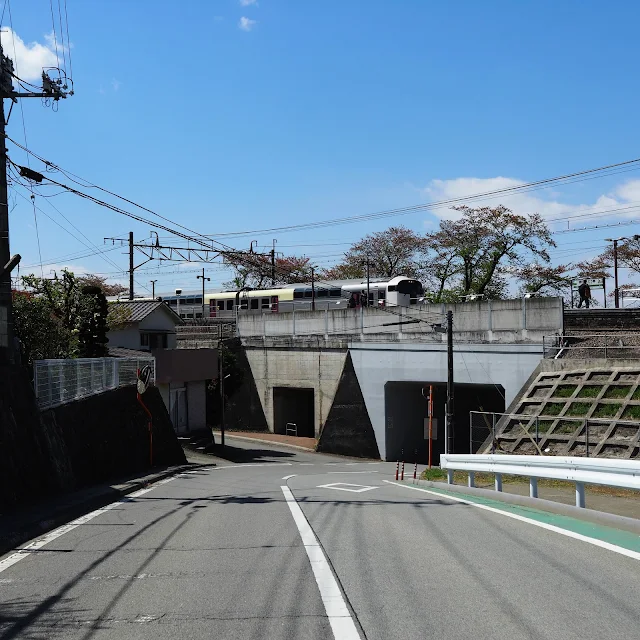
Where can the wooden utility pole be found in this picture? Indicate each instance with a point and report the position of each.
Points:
(52, 89)
(6, 315)
(313, 289)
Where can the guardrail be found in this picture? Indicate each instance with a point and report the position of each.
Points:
(609, 472)
(60, 381)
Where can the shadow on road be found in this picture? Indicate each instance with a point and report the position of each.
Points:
(240, 454)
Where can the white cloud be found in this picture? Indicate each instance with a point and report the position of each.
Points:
(246, 24)
(546, 201)
(29, 58)
(247, 3)
(116, 84)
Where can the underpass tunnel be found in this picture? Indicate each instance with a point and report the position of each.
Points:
(406, 418)
(295, 406)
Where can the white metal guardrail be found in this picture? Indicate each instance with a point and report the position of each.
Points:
(604, 471)
(57, 382)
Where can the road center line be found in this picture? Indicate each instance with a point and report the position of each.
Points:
(543, 525)
(70, 526)
(342, 624)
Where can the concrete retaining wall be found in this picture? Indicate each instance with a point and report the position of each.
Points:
(76, 444)
(504, 321)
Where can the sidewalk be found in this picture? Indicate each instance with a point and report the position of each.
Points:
(619, 502)
(23, 524)
(266, 437)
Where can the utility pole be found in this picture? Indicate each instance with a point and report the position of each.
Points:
(52, 89)
(450, 408)
(273, 263)
(368, 281)
(313, 289)
(131, 267)
(203, 279)
(615, 272)
(153, 288)
(222, 376)
(6, 313)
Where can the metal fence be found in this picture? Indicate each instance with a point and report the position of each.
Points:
(592, 345)
(59, 381)
(546, 435)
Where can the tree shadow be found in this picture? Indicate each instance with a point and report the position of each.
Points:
(240, 454)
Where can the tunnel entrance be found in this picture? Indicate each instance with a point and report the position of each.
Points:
(296, 406)
(406, 423)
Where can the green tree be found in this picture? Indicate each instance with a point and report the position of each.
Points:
(92, 325)
(393, 252)
(42, 335)
(489, 242)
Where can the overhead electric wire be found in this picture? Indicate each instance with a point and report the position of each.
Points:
(603, 171)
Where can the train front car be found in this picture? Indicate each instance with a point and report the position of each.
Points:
(403, 292)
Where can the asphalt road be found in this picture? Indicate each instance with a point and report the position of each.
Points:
(226, 552)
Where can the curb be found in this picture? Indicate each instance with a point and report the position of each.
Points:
(261, 441)
(64, 515)
(559, 508)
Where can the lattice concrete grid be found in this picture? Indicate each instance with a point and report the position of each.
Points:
(592, 412)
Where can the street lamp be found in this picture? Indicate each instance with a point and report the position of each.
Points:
(615, 265)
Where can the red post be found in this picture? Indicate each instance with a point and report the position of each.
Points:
(397, 469)
(430, 423)
(402, 474)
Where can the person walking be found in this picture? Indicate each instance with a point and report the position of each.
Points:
(585, 294)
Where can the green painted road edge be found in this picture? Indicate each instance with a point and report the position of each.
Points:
(624, 539)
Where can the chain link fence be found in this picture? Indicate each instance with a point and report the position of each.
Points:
(60, 381)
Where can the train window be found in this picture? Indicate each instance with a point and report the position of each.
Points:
(298, 294)
(244, 304)
(197, 301)
(220, 305)
(381, 294)
(172, 302)
(229, 305)
(266, 304)
(335, 293)
(254, 303)
(308, 294)
(392, 287)
(322, 293)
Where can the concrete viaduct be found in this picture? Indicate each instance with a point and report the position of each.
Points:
(353, 378)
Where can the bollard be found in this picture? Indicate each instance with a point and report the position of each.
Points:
(402, 472)
(397, 469)
(415, 471)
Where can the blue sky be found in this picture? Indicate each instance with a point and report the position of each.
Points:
(228, 115)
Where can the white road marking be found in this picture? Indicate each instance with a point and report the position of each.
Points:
(40, 542)
(333, 472)
(543, 525)
(293, 475)
(334, 485)
(342, 624)
(374, 462)
(330, 463)
(307, 464)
